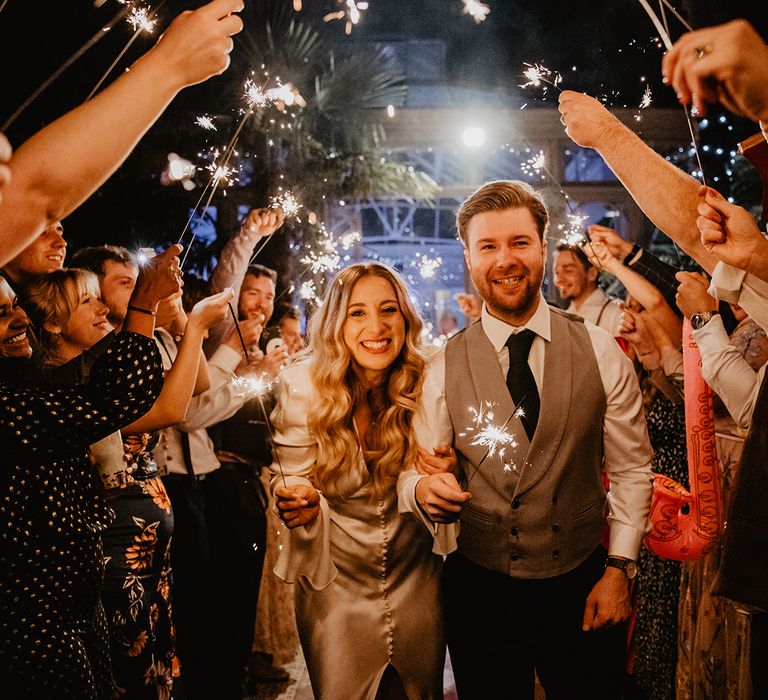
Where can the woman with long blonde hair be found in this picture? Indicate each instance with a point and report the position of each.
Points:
(367, 582)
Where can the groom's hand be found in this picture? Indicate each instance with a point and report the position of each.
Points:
(609, 602)
(441, 497)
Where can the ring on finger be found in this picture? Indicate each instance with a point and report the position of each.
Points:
(701, 51)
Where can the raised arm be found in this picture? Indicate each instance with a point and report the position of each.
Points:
(171, 405)
(666, 194)
(59, 167)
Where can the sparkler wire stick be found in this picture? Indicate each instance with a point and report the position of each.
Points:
(668, 44)
(47, 82)
(213, 183)
(113, 64)
(258, 396)
(2, 6)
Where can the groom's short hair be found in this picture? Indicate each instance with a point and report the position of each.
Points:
(498, 196)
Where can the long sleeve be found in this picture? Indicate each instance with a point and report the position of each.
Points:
(222, 400)
(305, 552)
(431, 427)
(124, 384)
(626, 447)
(727, 372)
(739, 287)
(229, 272)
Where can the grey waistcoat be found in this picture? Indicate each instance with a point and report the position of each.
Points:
(538, 511)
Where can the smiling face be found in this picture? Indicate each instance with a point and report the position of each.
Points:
(86, 325)
(374, 328)
(14, 343)
(257, 298)
(45, 254)
(506, 255)
(574, 281)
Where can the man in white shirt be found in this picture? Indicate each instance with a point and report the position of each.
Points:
(576, 280)
(530, 587)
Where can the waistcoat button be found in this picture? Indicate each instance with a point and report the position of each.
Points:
(513, 532)
(514, 557)
(516, 503)
(556, 554)
(556, 528)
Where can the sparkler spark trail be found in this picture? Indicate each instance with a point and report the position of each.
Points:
(326, 257)
(427, 266)
(252, 385)
(478, 11)
(288, 203)
(352, 12)
(647, 98)
(537, 74)
(574, 234)
(139, 19)
(534, 165)
(486, 433)
(206, 122)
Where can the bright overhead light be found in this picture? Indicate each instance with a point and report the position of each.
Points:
(473, 136)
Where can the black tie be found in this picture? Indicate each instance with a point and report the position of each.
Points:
(520, 381)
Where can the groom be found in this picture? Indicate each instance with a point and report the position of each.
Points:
(531, 588)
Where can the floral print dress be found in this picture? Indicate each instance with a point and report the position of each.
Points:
(137, 580)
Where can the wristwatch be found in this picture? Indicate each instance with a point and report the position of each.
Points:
(628, 566)
(701, 319)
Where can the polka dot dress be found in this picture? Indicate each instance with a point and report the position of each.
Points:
(53, 641)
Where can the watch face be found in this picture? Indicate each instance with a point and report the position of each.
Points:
(631, 569)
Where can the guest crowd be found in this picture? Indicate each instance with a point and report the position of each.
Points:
(189, 492)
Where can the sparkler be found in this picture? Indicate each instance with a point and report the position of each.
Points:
(534, 165)
(478, 11)
(326, 257)
(258, 388)
(427, 266)
(352, 12)
(206, 122)
(486, 433)
(140, 20)
(647, 98)
(288, 203)
(537, 74)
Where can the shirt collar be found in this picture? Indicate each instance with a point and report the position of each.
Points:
(597, 298)
(498, 331)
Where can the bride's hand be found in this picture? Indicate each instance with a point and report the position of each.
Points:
(443, 460)
(297, 505)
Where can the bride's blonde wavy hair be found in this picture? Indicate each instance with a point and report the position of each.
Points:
(390, 444)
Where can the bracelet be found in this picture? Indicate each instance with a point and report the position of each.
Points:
(143, 311)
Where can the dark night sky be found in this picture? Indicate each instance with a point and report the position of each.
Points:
(609, 42)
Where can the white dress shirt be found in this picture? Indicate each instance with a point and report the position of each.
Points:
(221, 401)
(727, 372)
(599, 306)
(626, 448)
(739, 287)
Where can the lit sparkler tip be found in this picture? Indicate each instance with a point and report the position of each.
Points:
(427, 266)
(478, 11)
(252, 385)
(647, 98)
(139, 19)
(205, 122)
(288, 203)
(535, 164)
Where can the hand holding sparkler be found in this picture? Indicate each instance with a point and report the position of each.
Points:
(159, 278)
(600, 256)
(262, 222)
(727, 63)
(210, 311)
(585, 119)
(616, 245)
(248, 337)
(197, 44)
(442, 461)
(633, 329)
(730, 233)
(441, 497)
(272, 362)
(297, 505)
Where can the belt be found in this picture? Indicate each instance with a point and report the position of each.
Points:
(193, 477)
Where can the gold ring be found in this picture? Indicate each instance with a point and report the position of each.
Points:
(702, 51)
